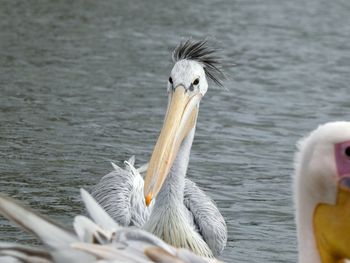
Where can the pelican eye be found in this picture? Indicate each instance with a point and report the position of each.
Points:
(170, 80)
(196, 81)
(347, 151)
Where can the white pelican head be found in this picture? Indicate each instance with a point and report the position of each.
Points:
(322, 194)
(187, 84)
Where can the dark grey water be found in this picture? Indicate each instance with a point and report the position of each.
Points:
(83, 82)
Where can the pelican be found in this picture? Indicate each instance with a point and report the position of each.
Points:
(166, 203)
(98, 240)
(322, 194)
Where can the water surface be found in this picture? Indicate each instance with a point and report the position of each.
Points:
(84, 82)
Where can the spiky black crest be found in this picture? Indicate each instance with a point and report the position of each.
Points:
(202, 53)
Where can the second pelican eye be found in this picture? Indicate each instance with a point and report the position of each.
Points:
(196, 81)
(170, 80)
(347, 151)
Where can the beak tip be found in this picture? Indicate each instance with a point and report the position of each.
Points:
(148, 199)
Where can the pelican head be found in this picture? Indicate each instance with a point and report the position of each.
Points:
(322, 191)
(194, 64)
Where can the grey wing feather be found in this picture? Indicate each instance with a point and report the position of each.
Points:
(21, 253)
(207, 218)
(49, 232)
(9, 259)
(120, 193)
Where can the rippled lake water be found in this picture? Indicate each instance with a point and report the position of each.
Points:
(84, 82)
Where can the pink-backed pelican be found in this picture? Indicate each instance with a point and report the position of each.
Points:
(166, 203)
(322, 194)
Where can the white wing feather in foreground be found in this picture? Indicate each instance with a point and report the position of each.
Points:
(98, 240)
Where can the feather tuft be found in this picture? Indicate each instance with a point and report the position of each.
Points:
(204, 54)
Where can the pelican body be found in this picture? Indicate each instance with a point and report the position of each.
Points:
(166, 203)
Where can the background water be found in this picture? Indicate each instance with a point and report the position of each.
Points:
(83, 83)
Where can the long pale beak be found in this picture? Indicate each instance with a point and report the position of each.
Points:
(180, 118)
(332, 228)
